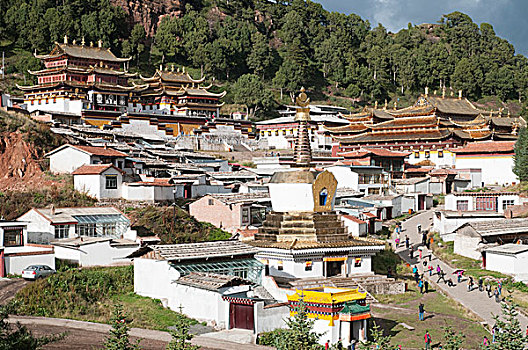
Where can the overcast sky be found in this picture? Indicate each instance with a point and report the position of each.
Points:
(509, 18)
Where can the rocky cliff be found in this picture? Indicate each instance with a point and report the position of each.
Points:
(150, 12)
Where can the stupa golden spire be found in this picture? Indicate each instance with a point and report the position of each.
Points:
(303, 151)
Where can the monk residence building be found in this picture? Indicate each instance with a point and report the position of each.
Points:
(88, 84)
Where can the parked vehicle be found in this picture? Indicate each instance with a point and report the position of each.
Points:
(33, 272)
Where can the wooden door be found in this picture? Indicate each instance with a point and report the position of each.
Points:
(241, 316)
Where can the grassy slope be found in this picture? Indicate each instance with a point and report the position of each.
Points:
(180, 229)
(89, 294)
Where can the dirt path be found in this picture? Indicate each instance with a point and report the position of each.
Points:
(9, 287)
(89, 335)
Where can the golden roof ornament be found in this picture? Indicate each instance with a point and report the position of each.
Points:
(82, 41)
(303, 111)
(65, 39)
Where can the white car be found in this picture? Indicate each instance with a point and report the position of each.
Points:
(33, 272)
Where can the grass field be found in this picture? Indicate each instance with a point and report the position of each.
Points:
(440, 312)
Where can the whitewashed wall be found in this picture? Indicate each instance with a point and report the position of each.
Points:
(495, 170)
(67, 160)
(15, 264)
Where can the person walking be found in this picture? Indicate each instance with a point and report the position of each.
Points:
(440, 276)
(327, 345)
(488, 290)
(496, 293)
(459, 276)
(470, 284)
(427, 339)
(500, 288)
(421, 310)
(407, 243)
(419, 229)
(420, 253)
(421, 285)
(493, 330)
(430, 268)
(411, 253)
(438, 269)
(485, 342)
(481, 284)
(424, 238)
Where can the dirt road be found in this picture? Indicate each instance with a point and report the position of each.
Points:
(8, 288)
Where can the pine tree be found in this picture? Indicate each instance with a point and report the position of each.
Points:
(118, 338)
(453, 340)
(380, 341)
(300, 334)
(509, 335)
(181, 337)
(521, 156)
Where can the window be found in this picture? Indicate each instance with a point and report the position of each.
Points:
(283, 132)
(279, 266)
(109, 229)
(416, 154)
(210, 201)
(357, 262)
(462, 205)
(111, 182)
(276, 132)
(245, 215)
(507, 203)
(486, 203)
(427, 154)
(85, 230)
(308, 266)
(61, 231)
(13, 237)
(440, 154)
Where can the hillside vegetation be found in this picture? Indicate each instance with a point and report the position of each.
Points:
(265, 50)
(89, 295)
(171, 229)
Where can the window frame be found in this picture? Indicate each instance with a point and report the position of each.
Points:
(108, 184)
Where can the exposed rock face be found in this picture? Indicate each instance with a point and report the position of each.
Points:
(150, 12)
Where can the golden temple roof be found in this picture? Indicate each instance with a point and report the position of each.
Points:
(82, 51)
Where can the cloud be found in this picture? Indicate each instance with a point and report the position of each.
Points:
(506, 16)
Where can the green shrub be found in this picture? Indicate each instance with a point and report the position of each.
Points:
(272, 338)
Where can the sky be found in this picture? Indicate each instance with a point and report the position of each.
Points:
(509, 18)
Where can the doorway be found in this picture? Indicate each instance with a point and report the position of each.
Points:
(241, 316)
(333, 268)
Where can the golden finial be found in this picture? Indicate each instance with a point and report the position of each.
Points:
(376, 105)
(82, 41)
(65, 39)
(100, 43)
(385, 107)
(302, 100)
(91, 43)
(74, 42)
(395, 104)
(172, 67)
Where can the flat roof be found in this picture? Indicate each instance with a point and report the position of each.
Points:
(202, 250)
(508, 249)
